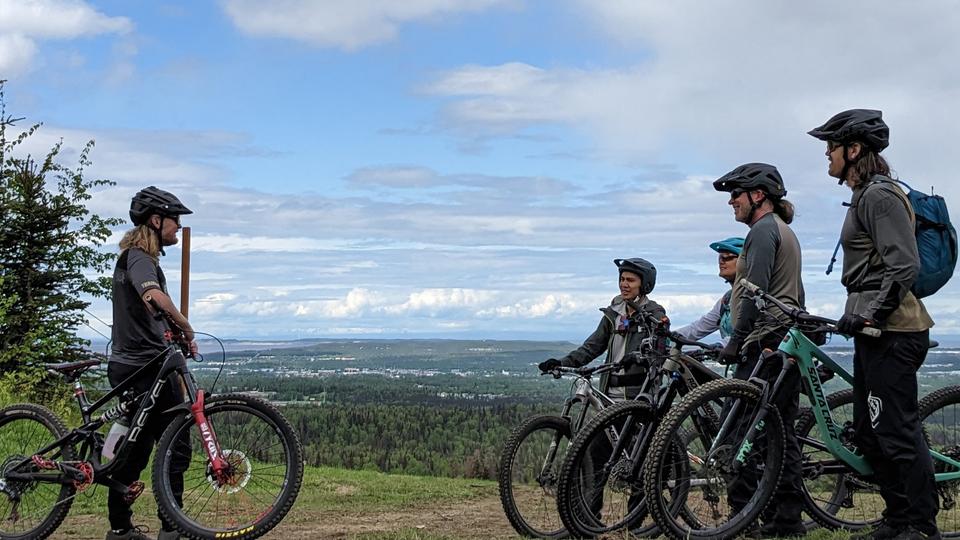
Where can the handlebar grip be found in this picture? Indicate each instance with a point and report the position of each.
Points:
(749, 286)
(871, 331)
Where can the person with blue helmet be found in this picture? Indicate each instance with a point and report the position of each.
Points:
(718, 318)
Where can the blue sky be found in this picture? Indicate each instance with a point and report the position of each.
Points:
(470, 168)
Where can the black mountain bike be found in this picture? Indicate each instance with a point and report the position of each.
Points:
(531, 458)
(600, 488)
(244, 460)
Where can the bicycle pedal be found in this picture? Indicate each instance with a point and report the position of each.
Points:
(133, 491)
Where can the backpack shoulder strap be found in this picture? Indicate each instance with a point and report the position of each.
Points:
(854, 203)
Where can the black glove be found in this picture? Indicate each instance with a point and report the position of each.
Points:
(851, 323)
(549, 365)
(824, 373)
(731, 352)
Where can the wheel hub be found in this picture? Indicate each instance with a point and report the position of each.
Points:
(236, 475)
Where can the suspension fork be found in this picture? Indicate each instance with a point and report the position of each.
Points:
(757, 422)
(639, 450)
(207, 434)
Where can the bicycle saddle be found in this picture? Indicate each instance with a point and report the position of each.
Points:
(68, 369)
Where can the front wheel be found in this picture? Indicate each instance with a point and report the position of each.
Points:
(264, 470)
(599, 492)
(31, 509)
(715, 487)
(529, 472)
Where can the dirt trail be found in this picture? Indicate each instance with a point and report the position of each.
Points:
(477, 519)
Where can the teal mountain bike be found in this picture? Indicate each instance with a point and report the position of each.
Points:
(838, 490)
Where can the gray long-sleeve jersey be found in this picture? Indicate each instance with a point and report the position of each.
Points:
(771, 260)
(880, 259)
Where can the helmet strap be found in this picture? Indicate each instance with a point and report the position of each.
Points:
(847, 164)
(159, 233)
(753, 207)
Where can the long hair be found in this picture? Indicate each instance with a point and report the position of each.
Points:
(141, 237)
(784, 209)
(869, 164)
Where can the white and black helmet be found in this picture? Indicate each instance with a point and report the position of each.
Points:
(152, 200)
(641, 267)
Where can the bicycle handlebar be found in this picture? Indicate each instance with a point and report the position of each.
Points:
(799, 314)
(680, 340)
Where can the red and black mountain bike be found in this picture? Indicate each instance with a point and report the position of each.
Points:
(244, 462)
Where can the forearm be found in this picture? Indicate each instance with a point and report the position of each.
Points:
(161, 300)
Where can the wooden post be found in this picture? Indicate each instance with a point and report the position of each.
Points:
(185, 272)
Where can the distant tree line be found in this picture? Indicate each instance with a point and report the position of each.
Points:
(410, 439)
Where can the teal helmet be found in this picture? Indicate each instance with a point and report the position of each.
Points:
(734, 245)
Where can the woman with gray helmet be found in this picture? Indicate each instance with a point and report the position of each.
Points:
(880, 264)
(620, 331)
(771, 260)
(137, 337)
(718, 318)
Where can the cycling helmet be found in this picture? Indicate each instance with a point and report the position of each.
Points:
(862, 125)
(753, 176)
(151, 200)
(642, 268)
(733, 245)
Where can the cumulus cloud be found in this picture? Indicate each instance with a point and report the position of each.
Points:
(345, 25)
(435, 301)
(732, 84)
(24, 22)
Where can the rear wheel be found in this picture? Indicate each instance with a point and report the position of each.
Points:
(835, 495)
(940, 414)
(529, 473)
(31, 509)
(263, 476)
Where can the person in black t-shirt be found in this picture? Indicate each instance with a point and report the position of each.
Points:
(138, 338)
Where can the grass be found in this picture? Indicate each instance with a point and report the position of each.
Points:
(325, 492)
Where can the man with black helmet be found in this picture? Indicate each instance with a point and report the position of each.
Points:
(770, 259)
(620, 331)
(880, 264)
(138, 337)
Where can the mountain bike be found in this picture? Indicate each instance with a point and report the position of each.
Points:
(750, 440)
(599, 488)
(530, 461)
(243, 461)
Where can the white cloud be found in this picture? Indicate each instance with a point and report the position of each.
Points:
(24, 22)
(345, 25)
(434, 301)
(727, 82)
(16, 52)
(550, 305)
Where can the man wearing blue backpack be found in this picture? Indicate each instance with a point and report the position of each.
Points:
(881, 263)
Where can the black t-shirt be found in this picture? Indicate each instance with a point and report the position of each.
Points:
(137, 336)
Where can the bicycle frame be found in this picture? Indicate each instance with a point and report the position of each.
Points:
(173, 368)
(680, 381)
(802, 351)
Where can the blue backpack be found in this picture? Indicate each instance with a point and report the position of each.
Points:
(936, 242)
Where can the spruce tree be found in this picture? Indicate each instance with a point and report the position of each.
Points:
(50, 255)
